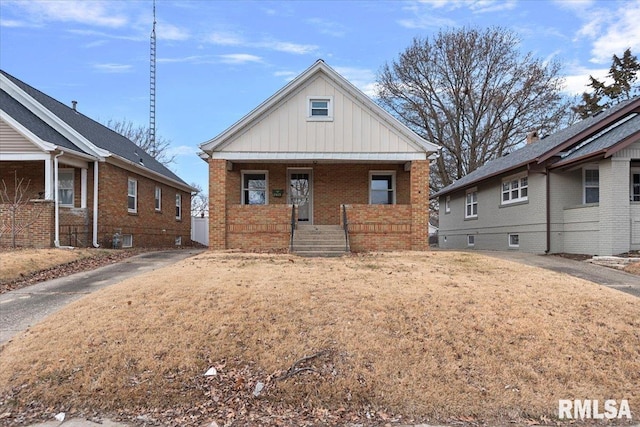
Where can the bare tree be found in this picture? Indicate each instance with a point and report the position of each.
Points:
(139, 134)
(199, 201)
(472, 93)
(22, 212)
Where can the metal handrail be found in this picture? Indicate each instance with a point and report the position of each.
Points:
(345, 223)
(293, 225)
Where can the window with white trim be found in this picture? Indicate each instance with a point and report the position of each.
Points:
(471, 240)
(382, 188)
(132, 195)
(591, 185)
(254, 188)
(178, 240)
(320, 108)
(65, 187)
(127, 240)
(447, 204)
(515, 189)
(635, 186)
(514, 240)
(158, 198)
(471, 204)
(178, 206)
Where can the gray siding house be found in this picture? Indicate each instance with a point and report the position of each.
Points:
(576, 191)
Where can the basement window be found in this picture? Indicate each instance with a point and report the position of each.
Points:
(514, 240)
(127, 240)
(471, 240)
(178, 240)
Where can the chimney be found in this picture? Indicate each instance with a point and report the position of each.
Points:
(74, 104)
(532, 137)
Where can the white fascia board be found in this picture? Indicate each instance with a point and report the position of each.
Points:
(51, 119)
(123, 163)
(18, 127)
(293, 156)
(24, 157)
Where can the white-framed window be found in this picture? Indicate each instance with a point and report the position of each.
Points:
(178, 206)
(127, 240)
(320, 108)
(382, 188)
(254, 188)
(66, 193)
(635, 186)
(471, 204)
(591, 180)
(178, 240)
(158, 198)
(515, 189)
(514, 240)
(447, 204)
(132, 195)
(471, 240)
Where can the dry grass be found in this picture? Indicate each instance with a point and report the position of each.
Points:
(633, 268)
(21, 262)
(435, 336)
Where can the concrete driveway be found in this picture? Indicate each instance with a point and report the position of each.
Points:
(616, 279)
(25, 307)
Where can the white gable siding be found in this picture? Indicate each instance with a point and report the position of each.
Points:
(354, 129)
(14, 142)
(630, 152)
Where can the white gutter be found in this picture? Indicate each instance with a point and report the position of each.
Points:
(56, 201)
(95, 204)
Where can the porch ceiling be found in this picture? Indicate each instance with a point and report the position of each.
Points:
(320, 157)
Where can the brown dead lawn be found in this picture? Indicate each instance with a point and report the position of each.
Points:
(20, 262)
(434, 337)
(633, 268)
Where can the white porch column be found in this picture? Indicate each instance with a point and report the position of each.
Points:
(83, 188)
(615, 231)
(48, 178)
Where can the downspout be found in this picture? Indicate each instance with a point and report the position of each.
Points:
(548, 197)
(95, 204)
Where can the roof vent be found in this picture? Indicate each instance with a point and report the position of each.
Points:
(74, 104)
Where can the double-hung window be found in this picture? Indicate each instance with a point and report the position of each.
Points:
(382, 188)
(132, 195)
(320, 108)
(158, 198)
(635, 187)
(591, 186)
(254, 188)
(447, 204)
(471, 204)
(65, 187)
(178, 206)
(515, 189)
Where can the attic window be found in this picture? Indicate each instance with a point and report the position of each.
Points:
(320, 108)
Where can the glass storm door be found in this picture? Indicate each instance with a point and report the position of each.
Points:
(300, 193)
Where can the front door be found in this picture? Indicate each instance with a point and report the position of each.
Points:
(301, 193)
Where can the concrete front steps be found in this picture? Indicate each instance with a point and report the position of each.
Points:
(319, 241)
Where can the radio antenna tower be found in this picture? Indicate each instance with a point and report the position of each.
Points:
(152, 105)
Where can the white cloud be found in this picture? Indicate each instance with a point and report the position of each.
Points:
(239, 58)
(477, 6)
(165, 31)
(288, 47)
(182, 150)
(288, 75)
(333, 29)
(363, 78)
(225, 39)
(11, 23)
(232, 39)
(100, 13)
(113, 68)
(577, 78)
(426, 22)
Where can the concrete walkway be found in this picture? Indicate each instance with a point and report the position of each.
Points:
(25, 307)
(616, 279)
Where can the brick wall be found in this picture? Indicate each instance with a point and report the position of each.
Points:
(379, 227)
(148, 227)
(33, 221)
(31, 172)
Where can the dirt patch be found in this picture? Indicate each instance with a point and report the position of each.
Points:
(439, 337)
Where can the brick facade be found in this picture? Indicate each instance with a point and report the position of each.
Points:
(371, 227)
(148, 227)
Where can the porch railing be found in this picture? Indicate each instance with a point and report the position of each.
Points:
(293, 225)
(345, 225)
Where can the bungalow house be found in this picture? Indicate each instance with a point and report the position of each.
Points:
(318, 155)
(575, 191)
(78, 182)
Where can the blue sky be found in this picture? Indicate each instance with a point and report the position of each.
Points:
(217, 60)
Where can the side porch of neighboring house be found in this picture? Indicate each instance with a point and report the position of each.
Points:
(262, 205)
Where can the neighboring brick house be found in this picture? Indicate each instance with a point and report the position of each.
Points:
(323, 146)
(575, 191)
(86, 183)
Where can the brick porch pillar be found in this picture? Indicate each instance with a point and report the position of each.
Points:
(420, 205)
(217, 204)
